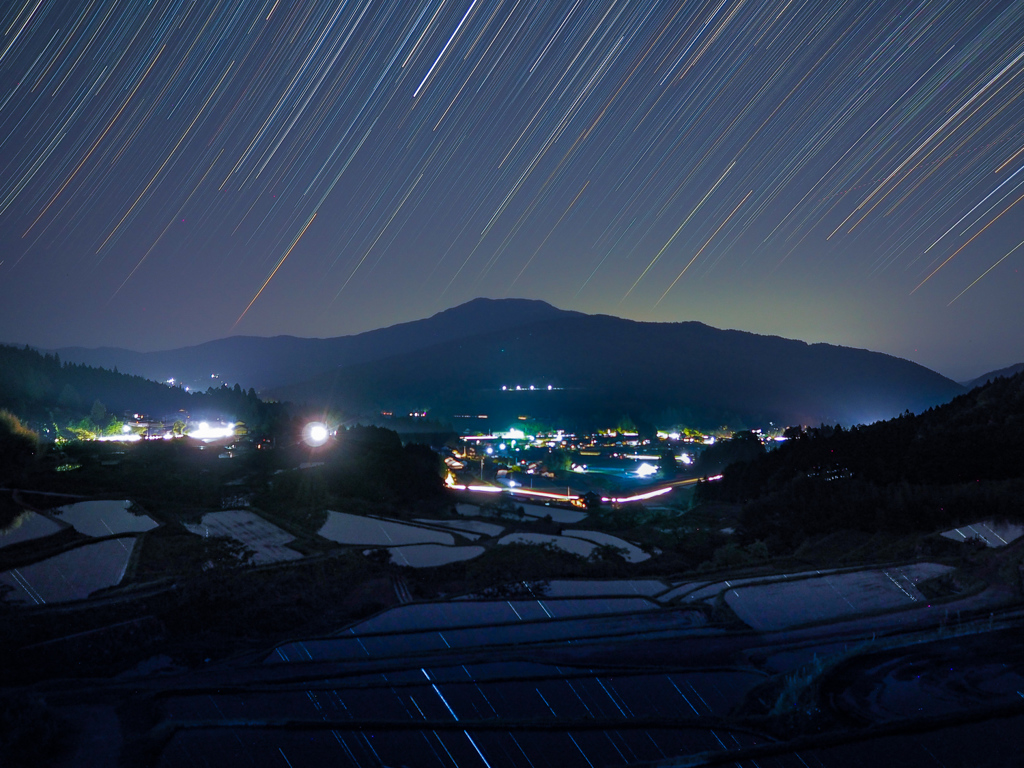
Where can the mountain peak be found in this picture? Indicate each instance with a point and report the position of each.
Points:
(490, 310)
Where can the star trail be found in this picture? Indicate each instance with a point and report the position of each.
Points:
(180, 170)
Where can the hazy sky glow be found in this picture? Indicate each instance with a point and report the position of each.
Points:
(177, 171)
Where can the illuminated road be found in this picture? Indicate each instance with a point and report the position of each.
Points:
(571, 497)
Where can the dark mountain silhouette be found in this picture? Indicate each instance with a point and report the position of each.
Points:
(601, 367)
(987, 377)
(598, 367)
(263, 363)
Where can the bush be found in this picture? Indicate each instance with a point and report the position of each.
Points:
(18, 446)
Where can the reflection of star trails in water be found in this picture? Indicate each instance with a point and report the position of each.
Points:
(271, 277)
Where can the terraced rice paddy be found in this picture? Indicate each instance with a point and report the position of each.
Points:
(539, 511)
(104, 517)
(559, 515)
(991, 533)
(71, 575)
(422, 616)
(28, 526)
(434, 627)
(829, 597)
(596, 588)
(580, 547)
(458, 707)
(633, 553)
(432, 555)
(267, 542)
(371, 531)
(473, 526)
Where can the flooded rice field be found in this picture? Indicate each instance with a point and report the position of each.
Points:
(432, 627)
(268, 543)
(557, 514)
(598, 588)
(512, 714)
(28, 526)
(580, 547)
(407, 618)
(473, 526)
(633, 553)
(432, 555)
(355, 529)
(990, 533)
(71, 575)
(828, 597)
(105, 517)
(933, 679)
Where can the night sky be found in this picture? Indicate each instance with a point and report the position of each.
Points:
(181, 170)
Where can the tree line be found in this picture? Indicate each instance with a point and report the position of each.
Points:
(960, 462)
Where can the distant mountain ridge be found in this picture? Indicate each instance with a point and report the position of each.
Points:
(604, 367)
(264, 363)
(597, 367)
(985, 378)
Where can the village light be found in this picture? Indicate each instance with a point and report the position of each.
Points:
(315, 433)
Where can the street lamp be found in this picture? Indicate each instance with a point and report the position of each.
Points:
(315, 433)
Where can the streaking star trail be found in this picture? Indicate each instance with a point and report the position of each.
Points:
(833, 171)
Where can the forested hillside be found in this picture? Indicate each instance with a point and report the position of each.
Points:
(41, 390)
(957, 463)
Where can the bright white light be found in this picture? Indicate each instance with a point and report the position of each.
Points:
(502, 447)
(316, 433)
(685, 458)
(549, 386)
(126, 429)
(206, 432)
(484, 488)
(489, 450)
(646, 470)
